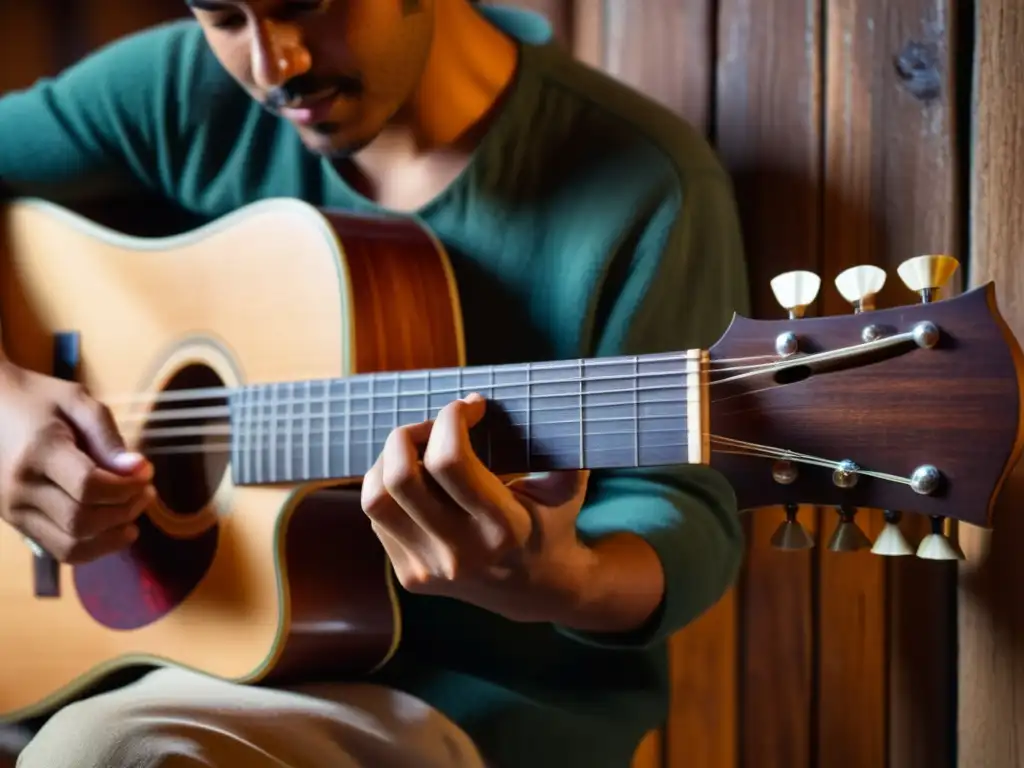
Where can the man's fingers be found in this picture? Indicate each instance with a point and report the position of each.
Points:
(403, 479)
(77, 474)
(452, 463)
(64, 547)
(85, 521)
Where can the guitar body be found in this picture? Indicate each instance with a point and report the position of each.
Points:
(251, 583)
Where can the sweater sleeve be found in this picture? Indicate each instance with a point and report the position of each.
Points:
(687, 277)
(103, 127)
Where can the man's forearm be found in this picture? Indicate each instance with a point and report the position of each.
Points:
(620, 586)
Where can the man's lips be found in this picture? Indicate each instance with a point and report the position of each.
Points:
(311, 110)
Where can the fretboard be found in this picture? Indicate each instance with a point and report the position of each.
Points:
(596, 414)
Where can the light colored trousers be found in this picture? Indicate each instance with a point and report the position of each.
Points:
(177, 719)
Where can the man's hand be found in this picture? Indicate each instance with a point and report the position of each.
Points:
(452, 528)
(66, 481)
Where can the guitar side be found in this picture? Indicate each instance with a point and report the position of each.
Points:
(251, 584)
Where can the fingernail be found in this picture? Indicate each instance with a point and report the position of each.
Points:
(127, 460)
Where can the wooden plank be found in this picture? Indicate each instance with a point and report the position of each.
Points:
(664, 47)
(923, 205)
(768, 133)
(885, 691)
(990, 727)
(851, 608)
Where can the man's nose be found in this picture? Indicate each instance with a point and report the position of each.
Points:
(278, 54)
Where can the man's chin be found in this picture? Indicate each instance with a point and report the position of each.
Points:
(331, 140)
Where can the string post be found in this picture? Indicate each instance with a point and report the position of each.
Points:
(860, 285)
(796, 291)
(926, 274)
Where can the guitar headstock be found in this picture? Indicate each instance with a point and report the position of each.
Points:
(914, 409)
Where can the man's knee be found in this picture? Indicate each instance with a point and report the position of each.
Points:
(105, 733)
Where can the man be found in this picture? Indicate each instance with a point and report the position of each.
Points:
(581, 219)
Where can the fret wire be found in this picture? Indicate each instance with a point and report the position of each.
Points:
(325, 453)
(245, 416)
(288, 448)
(426, 400)
(306, 428)
(258, 457)
(582, 422)
(272, 449)
(636, 411)
(372, 409)
(490, 396)
(236, 436)
(348, 427)
(529, 408)
(398, 394)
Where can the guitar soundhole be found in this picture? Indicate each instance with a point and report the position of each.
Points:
(187, 440)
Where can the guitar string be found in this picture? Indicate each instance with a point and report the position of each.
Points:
(739, 447)
(776, 364)
(398, 377)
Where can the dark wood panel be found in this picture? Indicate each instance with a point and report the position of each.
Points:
(990, 726)
(665, 48)
(890, 193)
(768, 131)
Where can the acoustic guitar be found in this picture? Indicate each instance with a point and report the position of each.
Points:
(267, 355)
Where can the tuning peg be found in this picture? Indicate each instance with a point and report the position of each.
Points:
(848, 537)
(860, 285)
(795, 291)
(937, 545)
(891, 542)
(925, 275)
(791, 534)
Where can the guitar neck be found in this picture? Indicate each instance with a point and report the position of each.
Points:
(648, 410)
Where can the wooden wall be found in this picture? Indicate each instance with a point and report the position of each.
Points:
(842, 123)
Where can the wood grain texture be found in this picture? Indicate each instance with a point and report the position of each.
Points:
(990, 727)
(768, 127)
(890, 193)
(663, 47)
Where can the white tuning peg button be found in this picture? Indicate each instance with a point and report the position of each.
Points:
(925, 274)
(795, 291)
(891, 542)
(937, 545)
(859, 286)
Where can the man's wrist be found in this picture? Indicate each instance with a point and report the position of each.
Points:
(617, 585)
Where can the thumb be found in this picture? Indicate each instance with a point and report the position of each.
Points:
(552, 489)
(96, 426)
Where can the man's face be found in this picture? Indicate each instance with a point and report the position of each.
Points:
(338, 70)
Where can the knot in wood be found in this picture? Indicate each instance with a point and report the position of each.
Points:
(917, 66)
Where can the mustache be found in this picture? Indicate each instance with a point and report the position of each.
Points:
(305, 85)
